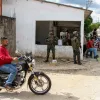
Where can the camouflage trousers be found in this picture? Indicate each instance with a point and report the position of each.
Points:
(51, 48)
(76, 55)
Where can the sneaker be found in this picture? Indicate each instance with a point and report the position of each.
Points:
(9, 87)
(96, 57)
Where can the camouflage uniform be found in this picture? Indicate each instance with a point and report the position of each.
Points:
(76, 50)
(51, 41)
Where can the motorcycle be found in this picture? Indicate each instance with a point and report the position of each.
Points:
(38, 82)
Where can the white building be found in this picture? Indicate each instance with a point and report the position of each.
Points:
(34, 19)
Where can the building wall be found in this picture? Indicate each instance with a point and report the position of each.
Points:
(8, 29)
(28, 12)
(61, 51)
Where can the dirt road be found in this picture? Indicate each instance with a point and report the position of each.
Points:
(67, 85)
(64, 87)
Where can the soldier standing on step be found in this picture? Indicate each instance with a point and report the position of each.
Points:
(76, 48)
(51, 41)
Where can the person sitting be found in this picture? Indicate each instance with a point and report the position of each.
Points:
(90, 48)
(5, 63)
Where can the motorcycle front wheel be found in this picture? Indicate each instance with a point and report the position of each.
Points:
(39, 84)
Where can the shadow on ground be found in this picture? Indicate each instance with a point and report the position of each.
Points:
(25, 95)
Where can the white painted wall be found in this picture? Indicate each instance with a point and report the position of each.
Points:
(61, 51)
(28, 12)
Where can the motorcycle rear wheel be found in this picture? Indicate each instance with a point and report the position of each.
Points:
(39, 84)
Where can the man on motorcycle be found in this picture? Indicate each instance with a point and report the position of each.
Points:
(5, 63)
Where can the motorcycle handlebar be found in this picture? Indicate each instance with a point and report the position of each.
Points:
(20, 58)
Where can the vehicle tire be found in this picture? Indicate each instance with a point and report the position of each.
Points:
(41, 83)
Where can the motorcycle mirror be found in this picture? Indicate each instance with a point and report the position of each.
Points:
(18, 53)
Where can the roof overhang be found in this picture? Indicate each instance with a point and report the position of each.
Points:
(87, 13)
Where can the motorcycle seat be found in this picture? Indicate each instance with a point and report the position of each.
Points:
(2, 72)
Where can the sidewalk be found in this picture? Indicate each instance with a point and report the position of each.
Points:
(64, 65)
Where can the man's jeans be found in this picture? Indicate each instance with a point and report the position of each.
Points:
(9, 68)
(94, 50)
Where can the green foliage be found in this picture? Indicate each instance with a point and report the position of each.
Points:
(89, 26)
(94, 25)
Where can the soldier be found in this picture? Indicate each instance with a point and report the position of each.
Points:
(76, 47)
(51, 42)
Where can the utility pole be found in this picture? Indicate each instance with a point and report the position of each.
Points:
(88, 3)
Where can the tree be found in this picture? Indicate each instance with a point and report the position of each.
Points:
(87, 24)
(94, 25)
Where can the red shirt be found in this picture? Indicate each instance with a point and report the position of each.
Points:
(90, 44)
(5, 58)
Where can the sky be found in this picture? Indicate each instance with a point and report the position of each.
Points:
(95, 6)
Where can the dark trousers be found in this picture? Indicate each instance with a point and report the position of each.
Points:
(76, 54)
(51, 48)
(84, 49)
(68, 42)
